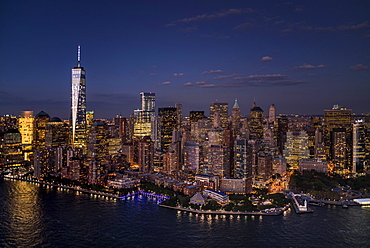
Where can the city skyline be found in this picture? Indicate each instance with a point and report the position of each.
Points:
(302, 57)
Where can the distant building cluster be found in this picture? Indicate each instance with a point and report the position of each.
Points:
(192, 153)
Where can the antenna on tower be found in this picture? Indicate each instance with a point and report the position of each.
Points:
(79, 56)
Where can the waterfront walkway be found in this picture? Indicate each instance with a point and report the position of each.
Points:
(94, 192)
(272, 212)
(148, 194)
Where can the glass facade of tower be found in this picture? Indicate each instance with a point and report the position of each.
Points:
(359, 148)
(256, 122)
(338, 117)
(168, 122)
(222, 109)
(78, 106)
(144, 116)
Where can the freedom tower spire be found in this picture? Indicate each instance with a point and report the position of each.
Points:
(78, 104)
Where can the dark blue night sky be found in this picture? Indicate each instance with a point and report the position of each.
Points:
(303, 56)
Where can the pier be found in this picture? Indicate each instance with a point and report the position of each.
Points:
(300, 203)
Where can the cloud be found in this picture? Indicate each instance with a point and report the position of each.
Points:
(218, 37)
(359, 67)
(189, 29)
(178, 74)
(188, 84)
(266, 58)
(227, 76)
(254, 81)
(166, 83)
(211, 16)
(212, 72)
(344, 27)
(208, 86)
(308, 67)
(263, 81)
(298, 9)
(243, 26)
(354, 27)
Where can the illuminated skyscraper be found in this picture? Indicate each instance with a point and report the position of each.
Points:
(144, 116)
(359, 147)
(272, 113)
(242, 160)
(178, 106)
(78, 105)
(26, 128)
(256, 122)
(56, 133)
(235, 118)
(41, 119)
(196, 116)
(223, 111)
(296, 148)
(338, 118)
(168, 122)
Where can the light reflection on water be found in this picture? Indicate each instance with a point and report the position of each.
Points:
(24, 218)
(33, 215)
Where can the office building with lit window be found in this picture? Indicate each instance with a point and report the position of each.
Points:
(223, 112)
(167, 123)
(338, 143)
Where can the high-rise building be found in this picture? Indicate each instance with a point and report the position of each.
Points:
(256, 122)
(272, 113)
(56, 133)
(144, 116)
(223, 112)
(26, 128)
(41, 119)
(219, 160)
(196, 116)
(97, 145)
(338, 117)
(359, 147)
(168, 122)
(242, 159)
(178, 106)
(78, 105)
(296, 148)
(235, 118)
(282, 129)
(145, 153)
(12, 150)
(191, 156)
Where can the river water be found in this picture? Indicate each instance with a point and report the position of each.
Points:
(33, 215)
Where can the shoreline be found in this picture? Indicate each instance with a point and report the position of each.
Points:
(75, 188)
(221, 212)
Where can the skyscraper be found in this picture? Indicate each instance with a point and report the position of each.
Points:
(168, 122)
(41, 119)
(143, 117)
(272, 113)
(235, 118)
(223, 111)
(256, 122)
(296, 148)
(196, 116)
(338, 117)
(78, 104)
(359, 147)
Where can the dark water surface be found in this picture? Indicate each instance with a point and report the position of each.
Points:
(33, 215)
